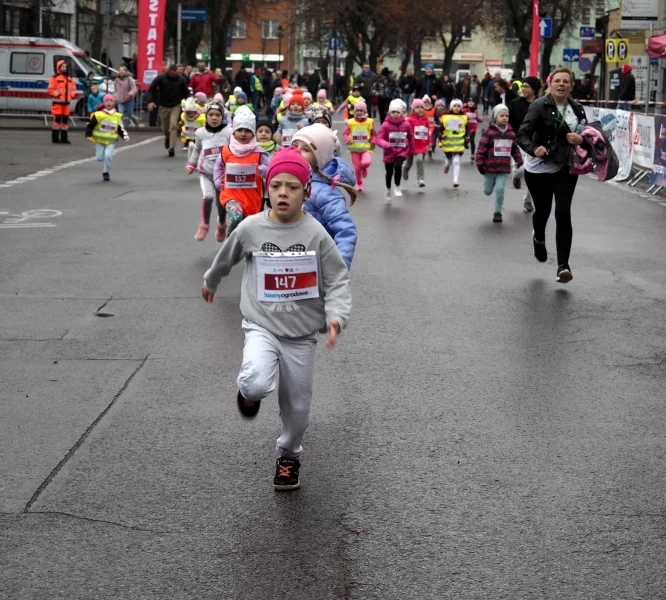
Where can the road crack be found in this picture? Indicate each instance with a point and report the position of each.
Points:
(82, 439)
(58, 513)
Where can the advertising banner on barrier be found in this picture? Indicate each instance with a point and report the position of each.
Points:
(658, 176)
(622, 142)
(643, 136)
(150, 40)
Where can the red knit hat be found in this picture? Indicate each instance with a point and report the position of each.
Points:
(297, 97)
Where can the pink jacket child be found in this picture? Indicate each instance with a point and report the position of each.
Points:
(396, 139)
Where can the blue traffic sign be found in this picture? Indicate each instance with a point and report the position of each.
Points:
(334, 43)
(546, 27)
(570, 54)
(193, 14)
(587, 33)
(585, 65)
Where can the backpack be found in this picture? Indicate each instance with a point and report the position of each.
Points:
(613, 161)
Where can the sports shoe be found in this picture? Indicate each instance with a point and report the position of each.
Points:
(388, 197)
(429, 153)
(528, 207)
(456, 185)
(202, 232)
(247, 408)
(446, 168)
(497, 217)
(364, 173)
(540, 251)
(106, 177)
(172, 152)
(421, 183)
(286, 474)
(564, 274)
(405, 175)
(221, 232)
(359, 187)
(516, 182)
(397, 191)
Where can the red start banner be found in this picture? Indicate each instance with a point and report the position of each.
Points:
(150, 40)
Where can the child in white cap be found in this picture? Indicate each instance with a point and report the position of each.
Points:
(396, 139)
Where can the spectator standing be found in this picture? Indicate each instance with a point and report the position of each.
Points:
(429, 85)
(407, 85)
(242, 80)
(448, 91)
(203, 80)
(474, 90)
(257, 89)
(627, 92)
(124, 92)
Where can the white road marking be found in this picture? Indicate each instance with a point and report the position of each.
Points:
(45, 172)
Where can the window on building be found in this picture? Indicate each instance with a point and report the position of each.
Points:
(57, 25)
(237, 29)
(269, 30)
(599, 8)
(27, 63)
(129, 42)
(586, 16)
(467, 34)
(16, 21)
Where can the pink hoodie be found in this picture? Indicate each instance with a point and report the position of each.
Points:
(392, 142)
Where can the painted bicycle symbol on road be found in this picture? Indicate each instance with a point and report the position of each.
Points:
(28, 219)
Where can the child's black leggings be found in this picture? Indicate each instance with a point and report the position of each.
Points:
(394, 170)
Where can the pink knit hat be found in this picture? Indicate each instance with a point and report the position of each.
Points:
(362, 105)
(108, 97)
(418, 103)
(426, 97)
(321, 94)
(320, 139)
(289, 160)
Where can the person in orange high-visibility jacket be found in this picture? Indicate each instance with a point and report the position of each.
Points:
(62, 89)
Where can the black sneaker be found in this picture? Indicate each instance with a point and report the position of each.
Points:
(105, 177)
(166, 143)
(172, 153)
(564, 274)
(539, 249)
(286, 474)
(497, 217)
(516, 183)
(247, 408)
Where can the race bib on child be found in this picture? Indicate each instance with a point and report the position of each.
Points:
(287, 136)
(286, 276)
(189, 130)
(420, 132)
(502, 147)
(210, 150)
(360, 136)
(108, 126)
(454, 125)
(398, 139)
(238, 176)
(471, 118)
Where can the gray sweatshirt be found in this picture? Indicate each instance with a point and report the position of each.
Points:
(207, 147)
(285, 319)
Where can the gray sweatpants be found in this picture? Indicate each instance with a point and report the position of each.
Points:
(262, 355)
(420, 171)
(520, 174)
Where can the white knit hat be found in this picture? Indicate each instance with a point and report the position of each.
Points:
(457, 103)
(237, 89)
(190, 106)
(499, 108)
(244, 119)
(396, 105)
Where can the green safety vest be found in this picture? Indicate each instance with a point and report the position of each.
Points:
(106, 129)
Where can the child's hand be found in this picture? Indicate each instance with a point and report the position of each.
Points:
(90, 140)
(208, 296)
(333, 331)
(189, 169)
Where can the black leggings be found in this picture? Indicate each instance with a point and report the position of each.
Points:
(394, 170)
(383, 106)
(542, 187)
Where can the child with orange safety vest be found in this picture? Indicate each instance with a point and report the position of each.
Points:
(239, 173)
(359, 135)
(432, 121)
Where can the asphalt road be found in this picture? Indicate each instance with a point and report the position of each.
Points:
(480, 432)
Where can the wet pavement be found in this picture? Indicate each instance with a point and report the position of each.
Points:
(480, 431)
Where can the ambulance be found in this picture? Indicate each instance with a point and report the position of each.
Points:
(26, 66)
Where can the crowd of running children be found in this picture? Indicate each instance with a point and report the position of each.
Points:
(298, 253)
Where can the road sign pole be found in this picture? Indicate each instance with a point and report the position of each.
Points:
(179, 32)
(536, 34)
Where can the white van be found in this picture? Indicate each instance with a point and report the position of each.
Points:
(26, 66)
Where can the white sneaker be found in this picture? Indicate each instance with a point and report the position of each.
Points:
(421, 183)
(388, 197)
(397, 191)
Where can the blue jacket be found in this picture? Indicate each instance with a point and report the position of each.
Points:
(94, 101)
(329, 207)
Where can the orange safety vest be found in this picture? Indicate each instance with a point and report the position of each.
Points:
(432, 119)
(242, 181)
(62, 90)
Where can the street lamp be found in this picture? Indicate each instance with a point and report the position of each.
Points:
(280, 35)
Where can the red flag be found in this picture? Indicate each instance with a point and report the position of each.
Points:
(150, 40)
(536, 35)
